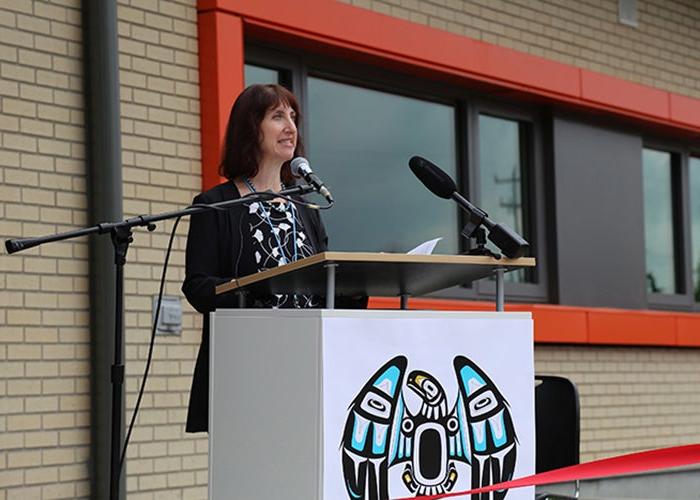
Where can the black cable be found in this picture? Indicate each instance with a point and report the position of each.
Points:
(272, 194)
(150, 348)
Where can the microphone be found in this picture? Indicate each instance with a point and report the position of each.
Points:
(434, 178)
(300, 168)
(440, 184)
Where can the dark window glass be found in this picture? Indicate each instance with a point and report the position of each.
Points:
(502, 176)
(360, 141)
(695, 223)
(659, 222)
(258, 74)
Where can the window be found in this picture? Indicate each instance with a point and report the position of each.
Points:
(671, 179)
(258, 74)
(503, 175)
(660, 223)
(361, 140)
(694, 182)
(360, 128)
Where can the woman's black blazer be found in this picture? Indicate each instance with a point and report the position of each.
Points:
(218, 250)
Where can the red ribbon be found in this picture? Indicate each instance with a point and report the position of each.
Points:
(662, 458)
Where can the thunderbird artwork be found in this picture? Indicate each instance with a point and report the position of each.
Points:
(381, 433)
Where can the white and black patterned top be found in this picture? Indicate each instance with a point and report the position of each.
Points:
(277, 238)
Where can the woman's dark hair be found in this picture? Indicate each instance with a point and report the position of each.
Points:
(242, 144)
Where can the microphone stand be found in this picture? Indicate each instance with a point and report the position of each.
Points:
(506, 239)
(121, 237)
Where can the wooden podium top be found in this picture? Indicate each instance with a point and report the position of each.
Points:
(375, 274)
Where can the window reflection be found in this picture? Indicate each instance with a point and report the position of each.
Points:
(695, 223)
(258, 74)
(359, 142)
(659, 222)
(502, 176)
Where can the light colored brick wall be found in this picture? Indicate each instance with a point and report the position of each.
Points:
(661, 52)
(159, 85)
(44, 338)
(631, 398)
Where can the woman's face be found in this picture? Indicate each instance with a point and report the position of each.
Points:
(278, 134)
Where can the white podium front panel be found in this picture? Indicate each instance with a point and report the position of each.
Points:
(335, 404)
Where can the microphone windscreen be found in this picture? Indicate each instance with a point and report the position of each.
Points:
(434, 178)
(299, 166)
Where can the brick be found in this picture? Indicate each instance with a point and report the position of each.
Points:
(39, 197)
(53, 113)
(23, 317)
(148, 129)
(9, 123)
(52, 78)
(144, 34)
(79, 471)
(171, 71)
(15, 37)
(71, 99)
(40, 439)
(19, 142)
(36, 127)
(23, 387)
(74, 368)
(158, 53)
(65, 31)
(132, 47)
(163, 23)
(19, 107)
(23, 351)
(7, 87)
(146, 66)
(11, 405)
(10, 478)
(58, 421)
(42, 475)
(74, 437)
(41, 369)
(9, 159)
(36, 93)
(132, 15)
(50, 12)
(152, 482)
(173, 40)
(20, 459)
(58, 490)
(133, 79)
(57, 456)
(66, 64)
(54, 147)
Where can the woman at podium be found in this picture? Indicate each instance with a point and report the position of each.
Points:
(261, 139)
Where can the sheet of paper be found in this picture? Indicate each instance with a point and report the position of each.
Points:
(425, 248)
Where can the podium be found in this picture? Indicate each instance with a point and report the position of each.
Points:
(343, 404)
(376, 274)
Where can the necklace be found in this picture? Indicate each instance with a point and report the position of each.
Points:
(267, 218)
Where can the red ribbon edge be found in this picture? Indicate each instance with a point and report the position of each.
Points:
(662, 458)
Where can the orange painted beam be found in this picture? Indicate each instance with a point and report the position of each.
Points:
(685, 110)
(619, 327)
(356, 33)
(221, 79)
(614, 93)
(582, 325)
(688, 327)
